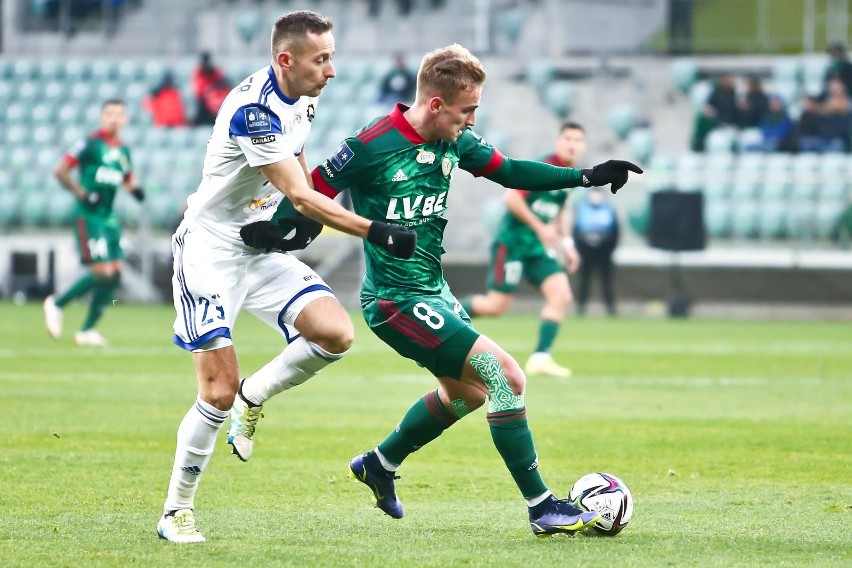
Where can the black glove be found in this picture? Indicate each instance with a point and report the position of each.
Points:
(92, 198)
(289, 233)
(138, 193)
(611, 171)
(397, 240)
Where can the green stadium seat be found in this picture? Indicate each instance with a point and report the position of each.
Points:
(248, 23)
(29, 91)
(814, 68)
(80, 93)
(129, 71)
(717, 219)
(54, 92)
(688, 179)
(833, 164)
(44, 136)
(744, 188)
(778, 162)
(15, 136)
(775, 188)
(70, 136)
(24, 70)
(826, 217)
(559, 96)
(785, 69)
(47, 158)
(134, 92)
(188, 160)
(753, 164)
(744, 217)
(33, 211)
(109, 90)
(683, 72)
(722, 164)
(7, 180)
(10, 205)
(621, 118)
(510, 22)
(772, 220)
(6, 70)
(77, 71)
(153, 71)
(92, 115)
(721, 140)
(43, 114)
(788, 91)
(7, 93)
(20, 158)
(699, 93)
(540, 73)
(805, 190)
(833, 191)
(104, 70)
(717, 189)
(60, 207)
(50, 69)
(128, 210)
(132, 136)
(800, 221)
(750, 140)
(640, 144)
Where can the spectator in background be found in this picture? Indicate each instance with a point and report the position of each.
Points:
(810, 126)
(595, 235)
(723, 100)
(840, 67)
(705, 121)
(754, 106)
(165, 103)
(399, 84)
(205, 75)
(213, 96)
(776, 126)
(837, 121)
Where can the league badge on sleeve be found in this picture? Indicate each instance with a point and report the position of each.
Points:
(341, 156)
(257, 120)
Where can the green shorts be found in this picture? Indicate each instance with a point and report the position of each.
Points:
(98, 238)
(508, 265)
(432, 330)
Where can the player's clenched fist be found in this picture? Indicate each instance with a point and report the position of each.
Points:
(289, 233)
(397, 240)
(610, 172)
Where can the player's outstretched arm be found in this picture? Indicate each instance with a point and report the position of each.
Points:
(538, 176)
(289, 177)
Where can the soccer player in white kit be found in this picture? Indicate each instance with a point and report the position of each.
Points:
(254, 158)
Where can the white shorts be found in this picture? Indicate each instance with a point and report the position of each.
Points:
(213, 281)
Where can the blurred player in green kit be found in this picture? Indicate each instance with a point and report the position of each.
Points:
(398, 171)
(105, 168)
(529, 242)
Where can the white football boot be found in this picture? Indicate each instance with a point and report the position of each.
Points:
(543, 364)
(179, 528)
(52, 317)
(90, 337)
(243, 423)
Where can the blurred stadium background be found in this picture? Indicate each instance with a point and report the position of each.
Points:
(636, 73)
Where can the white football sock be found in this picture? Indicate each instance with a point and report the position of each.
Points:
(299, 361)
(384, 461)
(540, 499)
(196, 438)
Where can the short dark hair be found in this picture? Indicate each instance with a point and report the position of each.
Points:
(291, 28)
(110, 102)
(571, 125)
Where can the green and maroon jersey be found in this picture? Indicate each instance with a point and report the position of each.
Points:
(395, 176)
(104, 165)
(546, 205)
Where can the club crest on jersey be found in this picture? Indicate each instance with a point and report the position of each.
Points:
(311, 112)
(447, 166)
(342, 156)
(257, 120)
(425, 157)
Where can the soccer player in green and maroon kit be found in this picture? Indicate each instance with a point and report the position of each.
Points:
(398, 171)
(532, 234)
(105, 167)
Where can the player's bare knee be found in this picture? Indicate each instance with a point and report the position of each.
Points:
(335, 338)
(219, 389)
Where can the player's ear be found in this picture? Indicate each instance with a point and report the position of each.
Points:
(284, 59)
(435, 104)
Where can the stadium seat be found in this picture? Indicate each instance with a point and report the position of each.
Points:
(800, 220)
(6, 180)
(785, 69)
(153, 71)
(640, 143)
(805, 165)
(109, 90)
(50, 69)
(778, 162)
(558, 97)
(722, 164)
(814, 68)
(833, 164)
(104, 70)
(70, 136)
(24, 70)
(744, 216)
(699, 93)
(717, 219)
(44, 136)
(129, 71)
(7, 93)
(29, 91)
(15, 136)
(46, 159)
(53, 92)
(248, 23)
(750, 140)
(721, 140)
(510, 22)
(540, 73)
(826, 217)
(833, 191)
(621, 119)
(77, 71)
(20, 158)
(775, 188)
(805, 190)
(60, 207)
(10, 205)
(80, 93)
(683, 73)
(772, 220)
(788, 91)
(744, 188)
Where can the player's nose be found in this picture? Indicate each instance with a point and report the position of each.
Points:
(330, 72)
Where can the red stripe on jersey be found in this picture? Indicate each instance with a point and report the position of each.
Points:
(500, 265)
(492, 165)
(322, 186)
(554, 160)
(407, 326)
(380, 127)
(403, 125)
(84, 240)
(70, 161)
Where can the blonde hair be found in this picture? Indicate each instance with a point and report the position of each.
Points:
(290, 31)
(448, 71)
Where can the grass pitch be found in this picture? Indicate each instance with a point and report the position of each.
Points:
(735, 439)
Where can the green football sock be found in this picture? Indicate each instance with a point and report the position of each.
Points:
(103, 295)
(80, 287)
(513, 439)
(547, 331)
(423, 422)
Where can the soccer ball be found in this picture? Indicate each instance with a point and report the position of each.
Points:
(606, 494)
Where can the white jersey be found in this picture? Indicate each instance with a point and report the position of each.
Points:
(256, 125)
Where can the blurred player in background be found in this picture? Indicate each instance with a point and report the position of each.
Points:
(530, 243)
(398, 170)
(105, 167)
(254, 157)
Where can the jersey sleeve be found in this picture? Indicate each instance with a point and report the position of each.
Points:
(72, 156)
(476, 155)
(257, 130)
(345, 169)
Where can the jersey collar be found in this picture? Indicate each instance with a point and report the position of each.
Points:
(110, 140)
(277, 88)
(401, 124)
